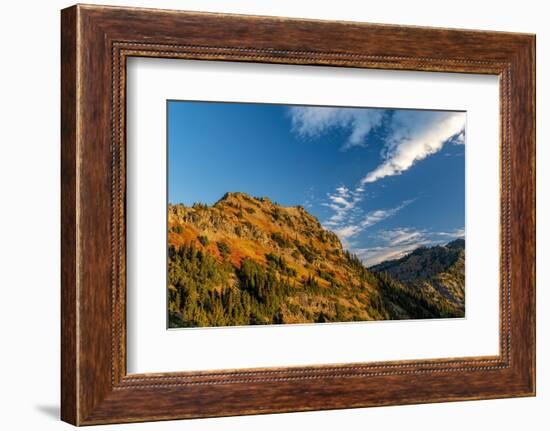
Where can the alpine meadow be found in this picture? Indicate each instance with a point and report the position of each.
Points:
(287, 214)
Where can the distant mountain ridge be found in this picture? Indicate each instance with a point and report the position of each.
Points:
(247, 260)
(437, 272)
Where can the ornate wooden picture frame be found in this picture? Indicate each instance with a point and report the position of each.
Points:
(96, 41)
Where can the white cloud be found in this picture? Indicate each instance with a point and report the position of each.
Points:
(312, 121)
(345, 232)
(339, 200)
(375, 255)
(457, 233)
(460, 139)
(377, 216)
(342, 201)
(403, 236)
(414, 136)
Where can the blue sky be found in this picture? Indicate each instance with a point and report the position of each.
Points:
(386, 181)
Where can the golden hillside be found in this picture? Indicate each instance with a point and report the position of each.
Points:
(247, 260)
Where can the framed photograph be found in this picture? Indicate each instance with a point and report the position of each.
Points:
(267, 215)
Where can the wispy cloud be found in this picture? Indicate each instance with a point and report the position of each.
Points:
(348, 231)
(376, 216)
(375, 255)
(415, 135)
(341, 202)
(403, 236)
(310, 198)
(457, 233)
(312, 121)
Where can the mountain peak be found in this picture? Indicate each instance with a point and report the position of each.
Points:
(253, 223)
(298, 271)
(457, 243)
(242, 197)
(234, 195)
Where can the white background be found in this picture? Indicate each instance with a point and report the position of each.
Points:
(151, 348)
(29, 224)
